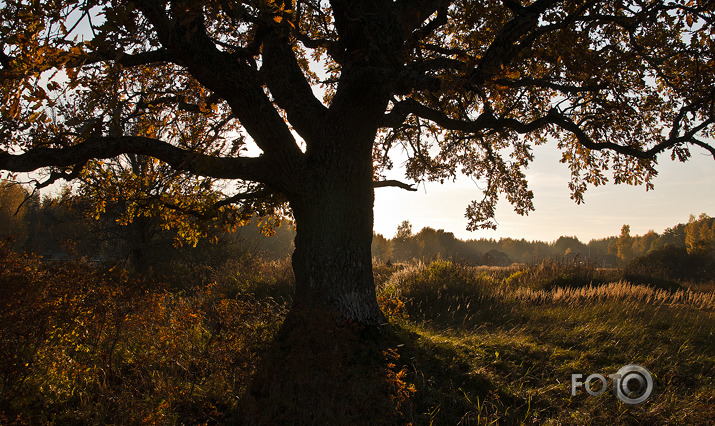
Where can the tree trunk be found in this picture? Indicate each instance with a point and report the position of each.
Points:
(332, 260)
(312, 372)
(139, 239)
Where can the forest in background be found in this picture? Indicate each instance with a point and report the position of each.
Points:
(67, 226)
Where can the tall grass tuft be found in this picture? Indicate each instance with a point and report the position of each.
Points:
(618, 291)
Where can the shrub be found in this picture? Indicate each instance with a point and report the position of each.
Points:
(442, 291)
(550, 274)
(82, 345)
(440, 277)
(671, 266)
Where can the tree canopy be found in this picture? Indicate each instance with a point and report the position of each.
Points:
(462, 86)
(469, 86)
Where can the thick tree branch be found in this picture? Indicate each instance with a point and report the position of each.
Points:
(186, 37)
(370, 32)
(431, 26)
(332, 47)
(402, 109)
(487, 120)
(413, 13)
(254, 169)
(504, 48)
(705, 146)
(5, 60)
(584, 139)
(291, 90)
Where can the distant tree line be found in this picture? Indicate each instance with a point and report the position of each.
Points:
(695, 236)
(69, 225)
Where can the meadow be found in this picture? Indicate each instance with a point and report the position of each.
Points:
(81, 343)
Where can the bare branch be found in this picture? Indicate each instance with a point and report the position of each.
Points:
(396, 183)
(80, 59)
(213, 211)
(180, 101)
(242, 197)
(545, 83)
(57, 175)
(125, 59)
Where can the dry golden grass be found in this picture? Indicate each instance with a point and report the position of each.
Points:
(620, 291)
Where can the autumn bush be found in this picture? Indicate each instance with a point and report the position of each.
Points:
(83, 345)
(80, 344)
(441, 291)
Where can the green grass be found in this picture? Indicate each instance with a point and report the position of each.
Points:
(465, 345)
(515, 355)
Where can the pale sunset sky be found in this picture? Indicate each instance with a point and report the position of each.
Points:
(681, 189)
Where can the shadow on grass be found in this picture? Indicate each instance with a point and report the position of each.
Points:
(318, 373)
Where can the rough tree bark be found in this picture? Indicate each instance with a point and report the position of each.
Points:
(332, 261)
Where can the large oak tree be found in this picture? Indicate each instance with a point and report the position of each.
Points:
(463, 86)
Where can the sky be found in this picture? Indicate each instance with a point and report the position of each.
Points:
(681, 189)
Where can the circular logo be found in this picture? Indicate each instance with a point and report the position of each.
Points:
(633, 384)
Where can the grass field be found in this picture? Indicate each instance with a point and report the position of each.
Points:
(465, 345)
(510, 352)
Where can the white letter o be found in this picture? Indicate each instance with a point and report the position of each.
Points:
(587, 384)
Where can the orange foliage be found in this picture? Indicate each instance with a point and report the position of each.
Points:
(78, 344)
